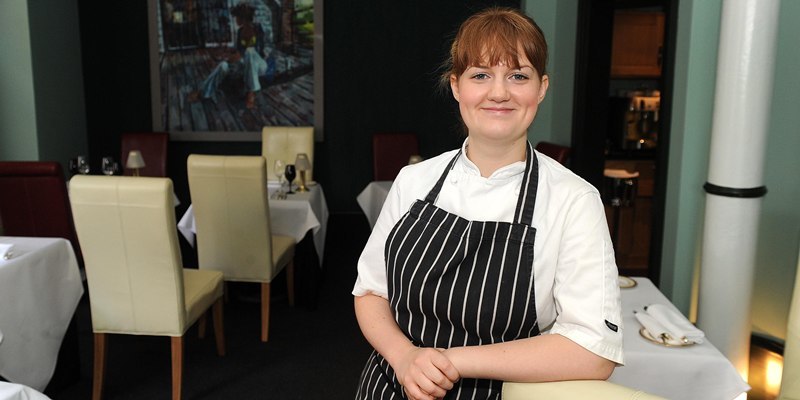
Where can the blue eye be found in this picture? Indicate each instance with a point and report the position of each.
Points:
(519, 77)
(480, 76)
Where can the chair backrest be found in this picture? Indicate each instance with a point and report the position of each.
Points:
(390, 153)
(555, 151)
(790, 382)
(283, 143)
(133, 263)
(569, 390)
(231, 210)
(153, 146)
(34, 202)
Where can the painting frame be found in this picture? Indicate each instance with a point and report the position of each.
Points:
(162, 104)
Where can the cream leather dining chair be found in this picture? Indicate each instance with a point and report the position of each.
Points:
(137, 285)
(284, 142)
(231, 209)
(571, 390)
(790, 381)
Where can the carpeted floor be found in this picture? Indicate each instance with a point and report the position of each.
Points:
(314, 352)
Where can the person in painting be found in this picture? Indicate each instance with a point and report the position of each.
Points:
(491, 262)
(245, 60)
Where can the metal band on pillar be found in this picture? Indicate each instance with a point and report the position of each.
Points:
(744, 193)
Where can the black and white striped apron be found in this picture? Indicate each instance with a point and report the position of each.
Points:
(454, 282)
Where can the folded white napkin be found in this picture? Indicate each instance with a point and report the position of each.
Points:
(6, 251)
(676, 324)
(655, 328)
(651, 324)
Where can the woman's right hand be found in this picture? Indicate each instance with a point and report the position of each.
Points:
(425, 373)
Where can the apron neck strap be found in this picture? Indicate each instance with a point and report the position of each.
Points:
(527, 191)
(434, 193)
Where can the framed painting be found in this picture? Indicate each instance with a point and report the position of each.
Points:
(221, 70)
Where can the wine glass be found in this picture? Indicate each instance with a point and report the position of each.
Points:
(83, 165)
(73, 166)
(290, 173)
(279, 169)
(109, 167)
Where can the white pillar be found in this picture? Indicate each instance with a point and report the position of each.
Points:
(745, 69)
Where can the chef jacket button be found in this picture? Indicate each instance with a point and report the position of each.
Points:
(453, 179)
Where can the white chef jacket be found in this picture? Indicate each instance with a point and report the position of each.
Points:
(575, 273)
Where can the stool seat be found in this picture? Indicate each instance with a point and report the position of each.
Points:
(620, 173)
(620, 187)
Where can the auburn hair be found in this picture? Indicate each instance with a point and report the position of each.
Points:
(496, 35)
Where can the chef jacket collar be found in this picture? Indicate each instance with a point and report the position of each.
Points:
(507, 172)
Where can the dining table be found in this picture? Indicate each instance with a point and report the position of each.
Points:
(294, 215)
(686, 372)
(371, 199)
(40, 288)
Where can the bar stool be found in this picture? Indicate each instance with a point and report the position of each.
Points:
(619, 190)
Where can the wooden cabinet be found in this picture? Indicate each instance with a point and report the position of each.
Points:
(637, 44)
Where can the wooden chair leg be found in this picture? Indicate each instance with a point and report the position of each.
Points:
(290, 282)
(219, 326)
(177, 366)
(265, 286)
(100, 342)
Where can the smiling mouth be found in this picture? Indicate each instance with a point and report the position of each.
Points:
(498, 109)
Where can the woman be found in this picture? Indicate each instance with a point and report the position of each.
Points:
(493, 262)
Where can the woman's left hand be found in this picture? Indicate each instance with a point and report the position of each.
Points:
(425, 373)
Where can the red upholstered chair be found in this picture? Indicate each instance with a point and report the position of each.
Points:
(34, 201)
(390, 153)
(153, 146)
(554, 151)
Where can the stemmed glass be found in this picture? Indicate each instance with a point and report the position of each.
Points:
(279, 169)
(83, 165)
(290, 173)
(109, 166)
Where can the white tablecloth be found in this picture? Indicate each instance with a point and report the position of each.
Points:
(15, 391)
(40, 287)
(371, 199)
(294, 216)
(699, 371)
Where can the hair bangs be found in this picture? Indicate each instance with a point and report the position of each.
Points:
(494, 36)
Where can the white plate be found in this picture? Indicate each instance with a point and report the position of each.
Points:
(625, 282)
(667, 343)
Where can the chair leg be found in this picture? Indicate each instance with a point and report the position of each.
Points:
(290, 282)
(177, 366)
(265, 286)
(100, 342)
(201, 326)
(219, 326)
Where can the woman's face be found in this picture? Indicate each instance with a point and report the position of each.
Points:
(499, 102)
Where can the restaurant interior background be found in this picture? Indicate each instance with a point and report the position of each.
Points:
(78, 77)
